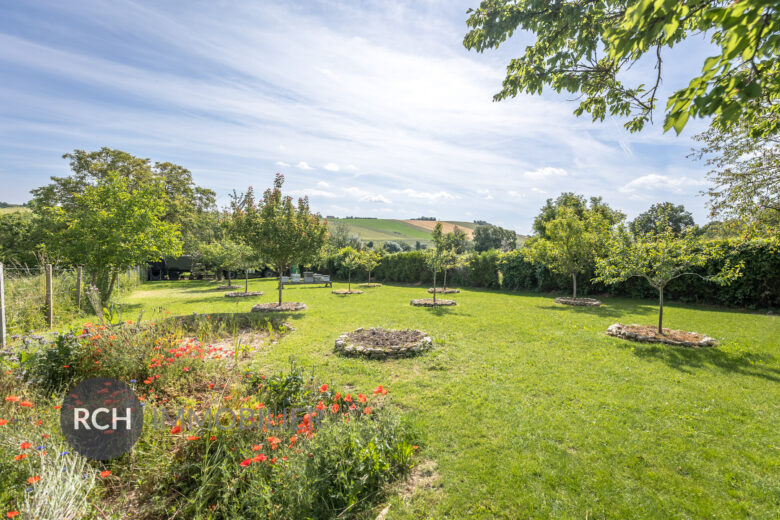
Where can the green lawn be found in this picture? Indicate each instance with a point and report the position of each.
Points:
(529, 410)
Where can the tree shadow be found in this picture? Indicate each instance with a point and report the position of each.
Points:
(685, 359)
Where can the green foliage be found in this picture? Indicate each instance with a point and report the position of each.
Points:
(277, 230)
(369, 260)
(488, 236)
(660, 215)
(227, 255)
(49, 367)
(581, 208)
(20, 236)
(584, 47)
(112, 226)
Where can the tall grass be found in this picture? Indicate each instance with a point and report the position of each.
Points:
(25, 297)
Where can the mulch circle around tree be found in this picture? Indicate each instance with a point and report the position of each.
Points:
(371, 285)
(379, 343)
(428, 302)
(441, 290)
(345, 291)
(228, 287)
(649, 334)
(579, 302)
(243, 294)
(275, 307)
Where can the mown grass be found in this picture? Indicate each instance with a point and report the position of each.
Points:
(529, 410)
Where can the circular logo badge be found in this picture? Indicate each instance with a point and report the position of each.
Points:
(101, 418)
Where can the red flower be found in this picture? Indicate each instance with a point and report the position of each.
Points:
(21, 456)
(33, 480)
(3, 422)
(334, 408)
(380, 390)
(362, 398)
(367, 410)
(320, 406)
(176, 429)
(324, 388)
(104, 474)
(259, 458)
(193, 438)
(26, 404)
(245, 463)
(25, 446)
(213, 438)
(12, 398)
(12, 514)
(257, 447)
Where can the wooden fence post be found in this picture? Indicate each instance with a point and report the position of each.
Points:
(2, 308)
(78, 287)
(49, 298)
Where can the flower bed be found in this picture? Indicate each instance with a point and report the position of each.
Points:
(428, 302)
(379, 343)
(648, 334)
(243, 294)
(275, 307)
(346, 291)
(579, 302)
(441, 290)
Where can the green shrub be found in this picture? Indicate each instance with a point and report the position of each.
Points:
(51, 367)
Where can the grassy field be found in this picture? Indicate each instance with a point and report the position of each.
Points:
(382, 230)
(13, 209)
(526, 409)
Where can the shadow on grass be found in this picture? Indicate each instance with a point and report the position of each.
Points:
(686, 359)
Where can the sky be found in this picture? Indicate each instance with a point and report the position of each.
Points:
(370, 108)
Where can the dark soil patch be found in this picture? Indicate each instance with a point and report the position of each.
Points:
(243, 294)
(428, 302)
(378, 343)
(649, 334)
(579, 302)
(441, 290)
(384, 337)
(275, 307)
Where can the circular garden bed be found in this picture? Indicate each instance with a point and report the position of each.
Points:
(379, 343)
(275, 307)
(243, 294)
(428, 302)
(441, 290)
(648, 334)
(346, 291)
(579, 302)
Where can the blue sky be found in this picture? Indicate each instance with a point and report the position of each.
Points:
(370, 108)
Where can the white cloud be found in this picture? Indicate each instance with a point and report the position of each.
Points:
(485, 194)
(332, 167)
(282, 163)
(414, 194)
(654, 183)
(352, 168)
(545, 173)
(303, 165)
(366, 196)
(311, 192)
(537, 190)
(323, 184)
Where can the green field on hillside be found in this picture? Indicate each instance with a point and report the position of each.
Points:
(383, 230)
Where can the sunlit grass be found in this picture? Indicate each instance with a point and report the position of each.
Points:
(529, 410)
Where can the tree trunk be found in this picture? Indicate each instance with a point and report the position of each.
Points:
(281, 272)
(110, 289)
(349, 281)
(246, 280)
(369, 277)
(434, 287)
(228, 277)
(445, 279)
(574, 279)
(660, 310)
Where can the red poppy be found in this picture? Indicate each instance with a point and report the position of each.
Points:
(25, 446)
(12, 514)
(334, 408)
(259, 458)
(33, 480)
(176, 429)
(104, 474)
(362, 398)
(257, 447)
(21, 456)
(320, 406)
(245, 463)
(12, 398)
(367, 410)
(380, 390)
(213, 438)
(324, 388)
(3, 422)
(193, 438)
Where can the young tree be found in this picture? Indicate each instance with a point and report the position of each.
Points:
(435, 259)
(351, 259)
(229, 255)
(570, 243)
(277, 230)
(369, 260)
(585, 47)
(659, 258)
(488, 236)
(110, 227)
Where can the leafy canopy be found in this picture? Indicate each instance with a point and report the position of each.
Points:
(583, 46)
(660, 216)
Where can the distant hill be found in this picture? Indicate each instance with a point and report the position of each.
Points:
(6, 207)
(409, 231)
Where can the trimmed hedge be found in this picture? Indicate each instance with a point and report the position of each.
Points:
(758, 287)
